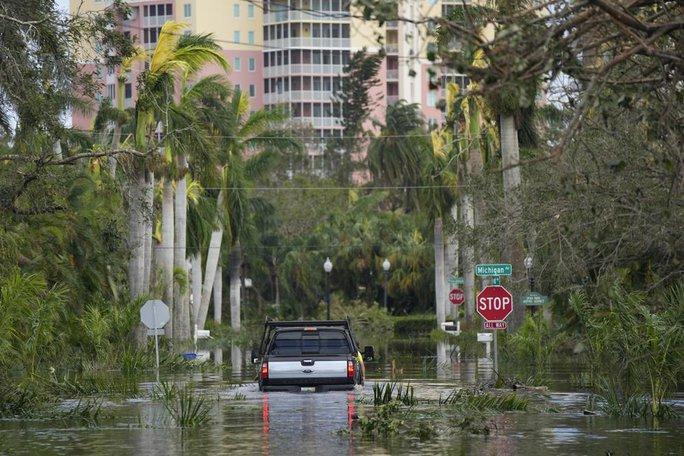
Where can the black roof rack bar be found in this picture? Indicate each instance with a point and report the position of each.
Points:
(302, 323)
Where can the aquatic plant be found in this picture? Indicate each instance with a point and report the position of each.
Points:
(185, 408)
(482, 401)
(86, 411)
(384, 393)
(634, 351)
(384, 423)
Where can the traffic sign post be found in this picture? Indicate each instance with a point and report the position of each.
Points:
(493, 269)
(456, 296)
(155, 314)
(494, 304)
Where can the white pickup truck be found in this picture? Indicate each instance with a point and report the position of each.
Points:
(320, 354)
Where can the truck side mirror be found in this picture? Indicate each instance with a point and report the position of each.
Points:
(255, 356)
(368, 353)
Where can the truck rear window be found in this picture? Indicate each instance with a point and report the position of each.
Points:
(300, 343)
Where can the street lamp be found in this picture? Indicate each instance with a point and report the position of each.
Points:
(386, 267)
(327, 267)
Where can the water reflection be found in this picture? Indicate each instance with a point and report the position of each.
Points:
(236, 355)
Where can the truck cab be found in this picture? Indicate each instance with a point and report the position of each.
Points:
(320, 354)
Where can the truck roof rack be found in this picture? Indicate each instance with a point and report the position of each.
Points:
(272, 325)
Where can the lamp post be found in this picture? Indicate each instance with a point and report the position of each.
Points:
(530, 280)
(327, 267)
(386, 267)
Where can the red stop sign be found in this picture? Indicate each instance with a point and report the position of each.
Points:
(494, 303)
(456, 296)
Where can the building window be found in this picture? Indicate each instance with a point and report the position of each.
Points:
(251, 64)
(237, 87)
(250, 37)
(236, 36)
(250, 11)
(432, 98)
(252, 90)
(237, 64)
(187, 10)
(236, 10)
(111, 91)
(128, 90)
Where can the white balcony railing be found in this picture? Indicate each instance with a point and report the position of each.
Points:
(393, 75)
(392, 48)
(309, 42)
(391, 99)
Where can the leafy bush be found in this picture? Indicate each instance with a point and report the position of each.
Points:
(535, 340)
(414, 325)
(384, 423)
(368, 321)
(635, 351)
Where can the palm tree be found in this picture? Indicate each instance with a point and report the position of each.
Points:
(246, 151)
(175, 58)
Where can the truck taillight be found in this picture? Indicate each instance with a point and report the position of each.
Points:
(350, 369)
(263, 373)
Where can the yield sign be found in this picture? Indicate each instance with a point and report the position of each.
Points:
(494, 303)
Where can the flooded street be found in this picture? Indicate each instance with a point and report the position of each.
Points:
(246, 421)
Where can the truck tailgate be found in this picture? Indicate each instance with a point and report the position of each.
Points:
(307, 368)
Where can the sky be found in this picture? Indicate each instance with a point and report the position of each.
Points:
(63, 5)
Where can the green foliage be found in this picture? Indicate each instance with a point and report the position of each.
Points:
(535, 340)
(384, 393)
(185, 408)
(386, 421)
(369, 322)
(414, 325)
(635, 351)
(467, 400)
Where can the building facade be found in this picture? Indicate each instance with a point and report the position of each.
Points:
(292, 53)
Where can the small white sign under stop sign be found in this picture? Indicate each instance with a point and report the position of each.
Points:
(155, 314)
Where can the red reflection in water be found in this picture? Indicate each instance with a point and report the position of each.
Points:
(266, 425)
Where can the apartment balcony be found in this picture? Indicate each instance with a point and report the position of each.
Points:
(309, 42)
(318, 122)
(308, 68)
(392, 25)
(276, 71)
(392, 48)
(297, 96)
(306, 16)
(393, 74)
(391, 99)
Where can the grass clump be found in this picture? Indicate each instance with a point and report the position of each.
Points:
(483, 402)
(186, 409)
(384, 393)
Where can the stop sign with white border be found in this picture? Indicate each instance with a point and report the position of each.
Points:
(494, 303)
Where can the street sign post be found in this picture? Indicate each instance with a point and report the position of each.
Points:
(495, 325)
(456, 280)
(456, 296)
(155, 314)
(493, 269)
(495, 303)
(533, 298)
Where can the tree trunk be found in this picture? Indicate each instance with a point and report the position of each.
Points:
(218, 295)
(510, 155)
(116, 140)
(181, 322)
(148, 228)
(166, 250)
(451, 257)
(213, 254)
(235, 283)
(468, 255)
(440, 289)
(196, 265)
(136, 236)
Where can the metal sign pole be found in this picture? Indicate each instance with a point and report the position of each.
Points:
(156, 339)
(496, 354)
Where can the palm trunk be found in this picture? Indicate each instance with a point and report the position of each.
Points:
(148, 227)
(451, 259)
(213, 254)
(196, 265)
(468, 256)
(136, 237)
(218, 295)
(510, 155)
(440, 289)
(181, 317)
(116, 140)
(165, 256)
(235, 283)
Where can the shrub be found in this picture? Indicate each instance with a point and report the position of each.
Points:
(414, 325)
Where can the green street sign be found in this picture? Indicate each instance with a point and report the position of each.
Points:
(534, 299)
(488, 270)
(456, 280)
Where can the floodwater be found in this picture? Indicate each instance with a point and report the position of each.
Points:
(246, 421)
